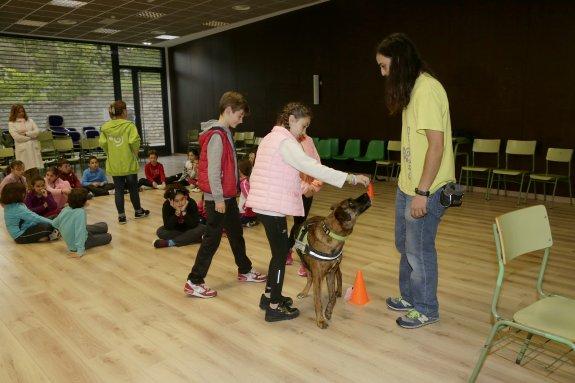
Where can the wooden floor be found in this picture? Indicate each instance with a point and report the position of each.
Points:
(119, 313)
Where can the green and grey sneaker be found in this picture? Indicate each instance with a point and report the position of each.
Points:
(398, 304)
(414, 319)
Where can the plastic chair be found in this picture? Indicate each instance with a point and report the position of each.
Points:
(249, 138)
(315, 141)
(351, 150)
(392, 147)
(551, 316)
(91, 147)
(92, 133)
(375, 151)
(324, 149)
(55, 121)
(334, 146)
(65, 147)
(485, 147)
(257, 141)
(553, 155)
(47, 150)
(86, 128)
(514, 148)
(457, 152)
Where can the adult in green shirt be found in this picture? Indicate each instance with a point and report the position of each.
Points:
(426, 167)
(120, 140)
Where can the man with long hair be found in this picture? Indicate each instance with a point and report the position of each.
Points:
(427, 165)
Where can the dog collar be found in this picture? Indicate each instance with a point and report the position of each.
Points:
(333, 235)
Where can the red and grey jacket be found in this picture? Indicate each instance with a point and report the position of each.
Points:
(228, 177)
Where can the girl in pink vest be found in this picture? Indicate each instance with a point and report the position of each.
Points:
(276, 192)
(57, 186)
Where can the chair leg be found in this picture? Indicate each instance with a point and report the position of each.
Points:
(484, 352)
(375, 172)
(489, 175)
(570, 197)
(520, 189)
(554, 189)
(521, 353)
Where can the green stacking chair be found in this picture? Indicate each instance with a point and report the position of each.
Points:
(561, 156)
(350, 151)
(485, 147)
(550, 316)
(514, 148)
(389, 163)
(324, 149)
(6, 156)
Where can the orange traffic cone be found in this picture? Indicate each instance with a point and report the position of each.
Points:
(370, 191)
(359, 293)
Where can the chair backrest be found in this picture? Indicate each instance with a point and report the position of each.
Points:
(257, 140)
(239, 136)
(324, 149)
(75, 136)
(559, 155)
(249, 136)
(481, 145)
(45, 135)
(6, 153)
(522, 231)
(520, 148)
(375, 150)
(92, 133)
(55, 120)
(394, 146)
(351, 148)
(89, 143)
(85, 128)
(63, 144)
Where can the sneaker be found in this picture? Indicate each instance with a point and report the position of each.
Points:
(111, 192)
(265, 301)
(54, 235)
(282, 312)
(90, 195)
(251, 223)
(302, 272)
(200, 291)
(398, 304)
(252, 276)
(414, 319)
(289, 259)
(196, 190)
(159, 243)
(122, 220)
(142, 213)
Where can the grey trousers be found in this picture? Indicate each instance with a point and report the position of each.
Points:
(97, 235)
(182, 238)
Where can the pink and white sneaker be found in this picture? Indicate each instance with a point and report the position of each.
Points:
(302, 272)
(200, 291)
(289, 259)
(252, 276)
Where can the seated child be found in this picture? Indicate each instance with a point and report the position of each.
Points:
(66, 173)
(57, 186)
(190, 174)
(14, 173)
(181, 220)
(247, 215)
(22, 224)
(155, 176)
(40, 201)
(72, 225)
(94, 179)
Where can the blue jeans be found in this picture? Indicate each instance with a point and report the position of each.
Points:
(415, 241)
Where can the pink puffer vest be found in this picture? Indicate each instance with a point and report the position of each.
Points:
(275, 185)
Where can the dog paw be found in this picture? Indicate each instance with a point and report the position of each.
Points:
(301, 296)
(338, 293)
(327, 315)
(322, 324)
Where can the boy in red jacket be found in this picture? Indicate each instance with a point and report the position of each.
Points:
(155, 175)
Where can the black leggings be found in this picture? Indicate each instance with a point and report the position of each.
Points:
(120, 184)
(298, 221)
(34, 233)
(276, 232)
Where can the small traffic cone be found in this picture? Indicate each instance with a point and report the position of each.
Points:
(370, 191)
(359, 292)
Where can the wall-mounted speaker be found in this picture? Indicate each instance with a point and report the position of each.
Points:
(316, 85)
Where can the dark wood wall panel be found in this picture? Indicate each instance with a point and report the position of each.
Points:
(507, 67)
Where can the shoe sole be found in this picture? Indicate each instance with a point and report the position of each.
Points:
(281, 319)
(409, 327)
(398, 309)
(193, 294)
(263, 305)
(142, 216)
(122, 222)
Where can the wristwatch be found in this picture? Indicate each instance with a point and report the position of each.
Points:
(421, 192)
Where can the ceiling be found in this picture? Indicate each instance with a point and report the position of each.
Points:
(135, 21)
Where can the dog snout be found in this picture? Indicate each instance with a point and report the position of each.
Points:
(363, 202)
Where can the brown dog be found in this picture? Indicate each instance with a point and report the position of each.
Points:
(320, 247)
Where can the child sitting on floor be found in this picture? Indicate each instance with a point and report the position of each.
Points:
(155, 176)
(181, 220)
(22, 224)
(40, 201)
(14, 174)
(66, 173)
(57, 186)
(190, 174)
(94, 179)
(72, 225)
(247, 215)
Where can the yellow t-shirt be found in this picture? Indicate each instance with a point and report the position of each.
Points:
(428, 108)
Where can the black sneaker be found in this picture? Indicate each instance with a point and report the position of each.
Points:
(282, 312)
(160, 243)
(265, 301)
(122, 220)
(142, 213)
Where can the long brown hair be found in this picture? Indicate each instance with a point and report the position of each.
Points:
(406, 66)
(297, 109)
(14, 112)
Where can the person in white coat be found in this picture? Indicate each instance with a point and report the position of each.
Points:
(24, 131)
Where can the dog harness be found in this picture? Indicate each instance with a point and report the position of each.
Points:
(302, 244)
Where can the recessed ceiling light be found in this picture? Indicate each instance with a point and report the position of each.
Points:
(214, 23)
(68, 3)
(151, 15)
(147, 43)
(31, 23)
(241, 7)
(166, 37)
(67, 22)
(106, 31)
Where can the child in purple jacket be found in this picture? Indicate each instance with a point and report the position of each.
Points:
(40, 201)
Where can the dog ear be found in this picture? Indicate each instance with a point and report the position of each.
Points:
(341, 215)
